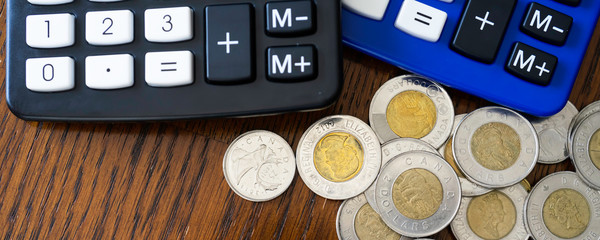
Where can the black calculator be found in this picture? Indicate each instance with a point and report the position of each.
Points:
(130, 60)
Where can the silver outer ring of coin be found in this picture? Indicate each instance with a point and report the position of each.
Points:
(534, 204)
(516, 193)
(252, 141)
(468, 188)
(584, 113)
(391, 88)
(345, 217)
(450, 187)
(480, 175)
(580, 150)
(560, 123)
(371, 160)
(391, 149)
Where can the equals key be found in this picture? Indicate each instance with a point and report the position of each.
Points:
(168, 66)
(169, 69)
(421, 20)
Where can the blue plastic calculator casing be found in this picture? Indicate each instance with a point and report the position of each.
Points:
(439, 62)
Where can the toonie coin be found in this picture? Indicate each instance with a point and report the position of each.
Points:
(417, 194)
(411, 106)
(585, 152)
(338, 157)
(495, 147)
(394, 148)
(259, 165)
(562, 206)
(495, 215)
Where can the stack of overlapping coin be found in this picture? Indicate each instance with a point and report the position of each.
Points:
(418, 168)
(584, 144)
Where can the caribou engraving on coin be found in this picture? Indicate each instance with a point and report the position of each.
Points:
(496, 146)
(411, 114)
(566, 213)
(260, 167)
(338, 156)
(417, 193)
(492, 215)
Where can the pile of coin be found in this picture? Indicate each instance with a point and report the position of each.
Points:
(416, 168)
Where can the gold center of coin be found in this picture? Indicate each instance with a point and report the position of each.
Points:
(417, 193)
(450, 158)
(369, 225)
(496, 146)
(595, 149)
(566, 213)
(338, 156)
(411, 114)
(492, 215)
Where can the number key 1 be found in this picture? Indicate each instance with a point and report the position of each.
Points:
(168, 24)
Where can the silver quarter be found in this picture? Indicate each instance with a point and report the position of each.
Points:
(259, 165)
(584, 113)
(543, 213)
(496, 222)
(553, 134)
(341, 177)
(507, 145)
(389, 193)
(585, 150)
(468, 188)
(356, 220)
(444, 109)
(394, 148)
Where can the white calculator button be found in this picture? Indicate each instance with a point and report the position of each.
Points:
(169, 69)
(49, 2)
(109, 71)
(168, 24)
(109, 27)
(50, 74)
(420, 20)
(374, 9)
(50, 30)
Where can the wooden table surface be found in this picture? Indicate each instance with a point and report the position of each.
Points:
(165, 179)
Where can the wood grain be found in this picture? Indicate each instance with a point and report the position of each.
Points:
(164, 180)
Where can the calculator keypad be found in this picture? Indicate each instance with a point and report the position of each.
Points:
(165, 25)
(49, 2)
(291, 63)
(292, 18)
(229, 42)
(482, 28)
(109, 27)
(50, 30)
(546, 24)
(162, 60)
(52, 74)
(374, 9)
(109, 71)
(169, 69)
(421, 20)
(531, 64)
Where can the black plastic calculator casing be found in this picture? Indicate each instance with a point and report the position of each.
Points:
(198, 100)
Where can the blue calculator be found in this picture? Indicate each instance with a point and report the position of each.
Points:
(521, 54)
